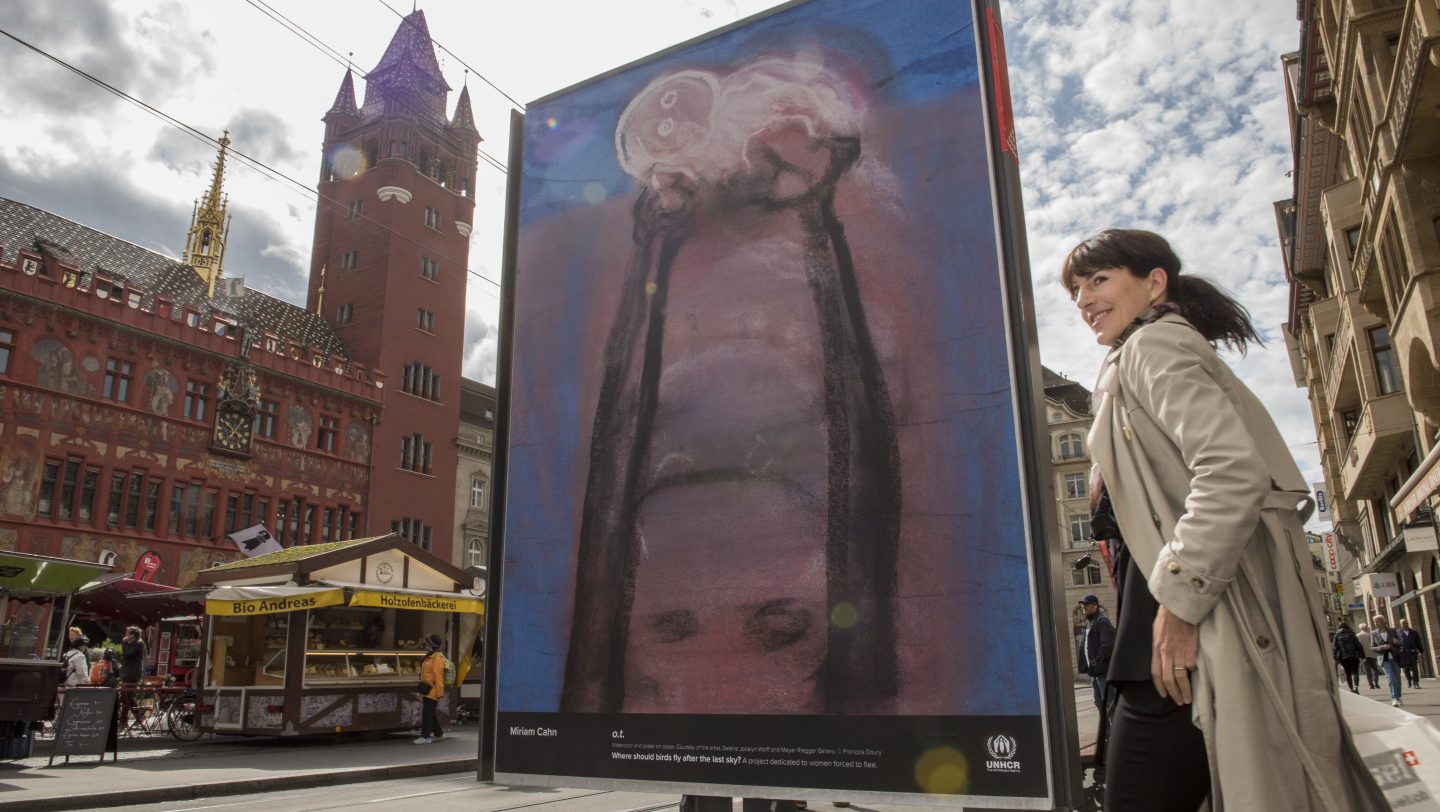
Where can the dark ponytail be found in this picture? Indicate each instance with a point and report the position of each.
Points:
(1215, 313)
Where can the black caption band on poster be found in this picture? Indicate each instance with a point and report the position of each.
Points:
(1001, 755)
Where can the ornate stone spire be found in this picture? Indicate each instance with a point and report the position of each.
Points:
(210, 226)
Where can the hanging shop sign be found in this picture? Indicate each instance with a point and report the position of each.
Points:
(424, 603)
(269, 600)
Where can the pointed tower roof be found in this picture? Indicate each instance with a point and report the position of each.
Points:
(345, 100)
(411, 48)
(464, 118)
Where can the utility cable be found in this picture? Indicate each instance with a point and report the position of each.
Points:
(301, 32)
(264, 169)
(345, 60)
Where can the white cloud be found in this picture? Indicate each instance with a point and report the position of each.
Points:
(1167, 114)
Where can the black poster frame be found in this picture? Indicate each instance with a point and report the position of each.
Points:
(1052, 643)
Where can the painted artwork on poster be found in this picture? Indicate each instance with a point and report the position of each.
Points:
(763, 457)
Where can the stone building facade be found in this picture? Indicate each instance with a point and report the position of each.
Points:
(1083, 568)
(1361, 247)
(472, 481)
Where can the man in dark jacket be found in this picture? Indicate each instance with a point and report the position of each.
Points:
(1096, 643)
(1410, 651)
(132, 668)
(1348, 652)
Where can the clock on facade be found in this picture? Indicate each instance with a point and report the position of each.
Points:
(232, 432)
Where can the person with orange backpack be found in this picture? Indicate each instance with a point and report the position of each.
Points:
(105, 672)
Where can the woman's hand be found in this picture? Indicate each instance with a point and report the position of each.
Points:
(1173, 656)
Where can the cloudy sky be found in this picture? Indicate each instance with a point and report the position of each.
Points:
(1161, 114)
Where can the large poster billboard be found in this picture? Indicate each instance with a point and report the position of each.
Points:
(766, 515)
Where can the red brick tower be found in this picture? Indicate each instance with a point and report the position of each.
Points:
(392, 244)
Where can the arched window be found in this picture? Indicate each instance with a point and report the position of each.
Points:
(205, 243)
(475, 553)
(1072, 445)
(372, 153)
(424, 162)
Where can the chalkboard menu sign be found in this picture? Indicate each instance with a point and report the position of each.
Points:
(86, 726)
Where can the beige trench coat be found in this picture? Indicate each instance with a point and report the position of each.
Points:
(1207, 497)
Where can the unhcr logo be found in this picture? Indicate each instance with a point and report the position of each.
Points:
(1002, 750)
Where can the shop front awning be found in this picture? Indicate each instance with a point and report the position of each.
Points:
(23, 574)
(270, 600)
(420, 599)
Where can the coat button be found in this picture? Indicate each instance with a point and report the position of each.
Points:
(1197, 582)
(1262, 641)
(1173, 566)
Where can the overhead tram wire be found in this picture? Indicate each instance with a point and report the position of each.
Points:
(264, 169)
(345, 61)
(441, 46)
(304, 34)
(492, 161)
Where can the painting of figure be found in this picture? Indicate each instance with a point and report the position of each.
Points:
(57, 369)
(357, 442)
(19, 477)
(762, 428)
(160, 389)
(297, 420)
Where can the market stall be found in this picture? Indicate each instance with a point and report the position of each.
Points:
(35, 594)
(329, 637)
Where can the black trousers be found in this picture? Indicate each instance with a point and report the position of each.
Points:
(1352, 672)
(429, 719)
(1412, 675)
(1155, 758)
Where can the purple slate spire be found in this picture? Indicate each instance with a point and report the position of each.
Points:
(345, 100)
(464, 118)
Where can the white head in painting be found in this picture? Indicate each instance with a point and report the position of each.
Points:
(707, 128)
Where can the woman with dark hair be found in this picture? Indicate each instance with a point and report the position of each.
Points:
(1220, 657)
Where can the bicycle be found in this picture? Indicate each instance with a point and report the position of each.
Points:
(179, 715)
(182, 716)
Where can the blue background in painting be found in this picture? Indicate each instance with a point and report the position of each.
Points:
(921, 54)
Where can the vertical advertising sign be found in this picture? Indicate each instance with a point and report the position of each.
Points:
(771, 429)
(1322, 501)
(1332, 554)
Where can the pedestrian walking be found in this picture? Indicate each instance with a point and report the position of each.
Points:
(1410, 650)
(1096, 642)
(1386, 642)
(1348, 652)
(1368, 662)
(432, 677)
(1206, 496)
(77, 662)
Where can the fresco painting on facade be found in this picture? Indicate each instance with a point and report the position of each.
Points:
(357, 442)
(297, 421)
(19, 477)
(8, 539)
(57, 369)
(160, 389)
(745, 435)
